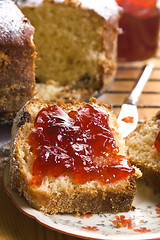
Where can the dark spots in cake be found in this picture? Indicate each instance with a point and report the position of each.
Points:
(85, 78)
(90, 82)
(158, 116)
(70, 60)
(37, 80)
(24, 118)
(25, 20)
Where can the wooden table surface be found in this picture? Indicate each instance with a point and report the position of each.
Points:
(16, 225)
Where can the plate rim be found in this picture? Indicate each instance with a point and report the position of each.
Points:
(84, 236)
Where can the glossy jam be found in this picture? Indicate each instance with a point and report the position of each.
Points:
(79, 144)
(140, 24)
(128, 119)
(157, 143)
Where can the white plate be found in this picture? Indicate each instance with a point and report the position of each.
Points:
(142, 223)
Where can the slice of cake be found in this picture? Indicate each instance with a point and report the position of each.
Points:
(76, 43)
(143, 150)
(71, 158)
(17, 55)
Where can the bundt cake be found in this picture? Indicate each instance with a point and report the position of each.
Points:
(71, 158)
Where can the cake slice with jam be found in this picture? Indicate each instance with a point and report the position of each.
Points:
(71, 158)
(143, 149)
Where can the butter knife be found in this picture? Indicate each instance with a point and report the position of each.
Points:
(128, 116)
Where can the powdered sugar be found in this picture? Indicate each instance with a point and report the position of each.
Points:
(13, 25)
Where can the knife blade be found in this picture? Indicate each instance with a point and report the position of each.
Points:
(128, 116)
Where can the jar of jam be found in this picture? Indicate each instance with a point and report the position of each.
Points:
(140, 26)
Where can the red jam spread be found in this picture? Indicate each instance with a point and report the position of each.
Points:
(157, 143)
(79, 144)
(128, 119)
(140, 25)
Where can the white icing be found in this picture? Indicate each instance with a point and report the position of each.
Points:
(9, 14)
(11, 23)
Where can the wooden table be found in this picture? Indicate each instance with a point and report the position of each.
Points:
(149, 101)
(13, 223)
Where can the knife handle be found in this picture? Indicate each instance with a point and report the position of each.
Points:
(139, 85)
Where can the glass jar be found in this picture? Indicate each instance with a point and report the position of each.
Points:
(140, 26)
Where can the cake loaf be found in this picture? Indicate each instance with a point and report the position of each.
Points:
(71, 158)
(76, 44)
(17, 56)
(143, 150)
